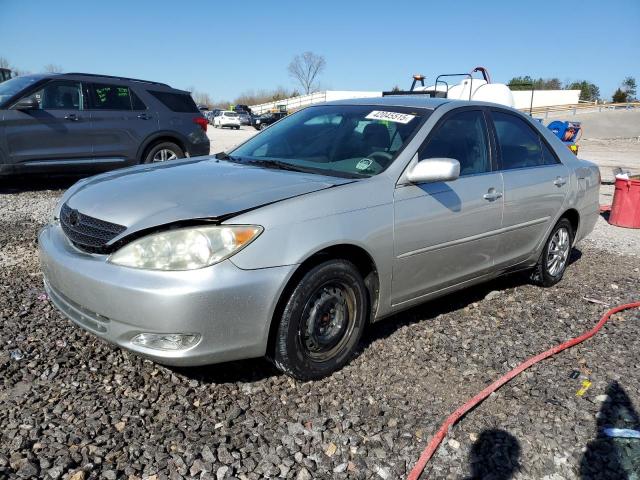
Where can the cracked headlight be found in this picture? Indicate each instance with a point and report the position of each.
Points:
(186, 248)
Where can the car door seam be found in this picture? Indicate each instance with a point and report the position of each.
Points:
(472, 238)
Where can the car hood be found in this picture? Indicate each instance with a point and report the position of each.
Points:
(152, 195)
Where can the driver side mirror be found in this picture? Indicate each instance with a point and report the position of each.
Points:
(434, 170)
(27, 103)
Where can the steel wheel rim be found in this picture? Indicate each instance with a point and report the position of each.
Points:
(328, 319)
(558, 251)
(164, 155)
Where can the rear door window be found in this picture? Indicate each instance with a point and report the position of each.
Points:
(176, 102)
(463, 137)
(519, 144)
(109, 97)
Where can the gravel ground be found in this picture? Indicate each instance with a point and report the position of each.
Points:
(72, 406)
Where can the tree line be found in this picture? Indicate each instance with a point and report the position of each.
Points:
(589, 91)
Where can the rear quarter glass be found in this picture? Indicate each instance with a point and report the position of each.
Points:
(176, 102)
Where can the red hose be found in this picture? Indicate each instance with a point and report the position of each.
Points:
(455, 416)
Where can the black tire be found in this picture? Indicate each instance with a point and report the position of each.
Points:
(545, 273)
(322, 321)
(158, 147)
(263, 126)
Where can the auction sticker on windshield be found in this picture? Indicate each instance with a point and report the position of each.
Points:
(390, 116)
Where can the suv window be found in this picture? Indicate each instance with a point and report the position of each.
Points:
(176, 102)
(136, 103)
(59, 95)
(462, 136)
(520, 146)
(15, 85)
(110, 97)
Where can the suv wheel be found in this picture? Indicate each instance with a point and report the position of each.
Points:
(322, 321)
(263, 126)
(162, 152)
(555, 255)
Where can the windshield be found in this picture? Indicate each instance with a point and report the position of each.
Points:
(356, 140)
(11, 87)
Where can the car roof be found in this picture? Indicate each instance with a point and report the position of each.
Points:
(111, 79)
(416, 101)
(420, 101)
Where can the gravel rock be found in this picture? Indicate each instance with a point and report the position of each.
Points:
(96, 411)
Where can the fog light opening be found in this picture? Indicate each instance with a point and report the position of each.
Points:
(166, 341)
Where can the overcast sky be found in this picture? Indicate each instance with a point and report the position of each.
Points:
(226, 48)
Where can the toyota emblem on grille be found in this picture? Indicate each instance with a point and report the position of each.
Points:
(74, 218)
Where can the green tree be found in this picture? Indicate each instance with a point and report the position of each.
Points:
(619, 96)
(526, 83)
(629, 87)
(588, 91)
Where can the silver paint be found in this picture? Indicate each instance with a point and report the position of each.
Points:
(425, 239)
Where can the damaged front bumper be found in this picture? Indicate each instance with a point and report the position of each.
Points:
(226, 309)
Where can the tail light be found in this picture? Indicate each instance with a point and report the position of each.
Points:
(202, 122)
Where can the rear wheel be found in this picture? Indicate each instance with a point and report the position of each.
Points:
(322, 321)
(263, 126)
(555, 255)
(163, 152)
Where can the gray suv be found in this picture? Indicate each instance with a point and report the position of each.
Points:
(85, 123)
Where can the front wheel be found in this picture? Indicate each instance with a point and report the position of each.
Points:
(322, 321)
(555, 255)
(263, 126)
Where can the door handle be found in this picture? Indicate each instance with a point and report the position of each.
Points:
(144, 116)
(492, 195)
(72, 117)
(559, 181)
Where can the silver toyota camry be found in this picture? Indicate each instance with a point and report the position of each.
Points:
(336, 216)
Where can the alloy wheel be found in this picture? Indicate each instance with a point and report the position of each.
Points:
(558, 251)
(164, 155)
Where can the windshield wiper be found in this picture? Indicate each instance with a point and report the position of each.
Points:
(280, 165)
(277, 164)
(226, 156)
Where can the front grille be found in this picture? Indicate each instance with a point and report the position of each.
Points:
(88, 233)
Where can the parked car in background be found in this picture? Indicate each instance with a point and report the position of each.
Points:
(83, 123)
(210, 114)
(226, 118)
(261, 122)
(242, 108)
(337, 216)
(245, 118)
(5, 74)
